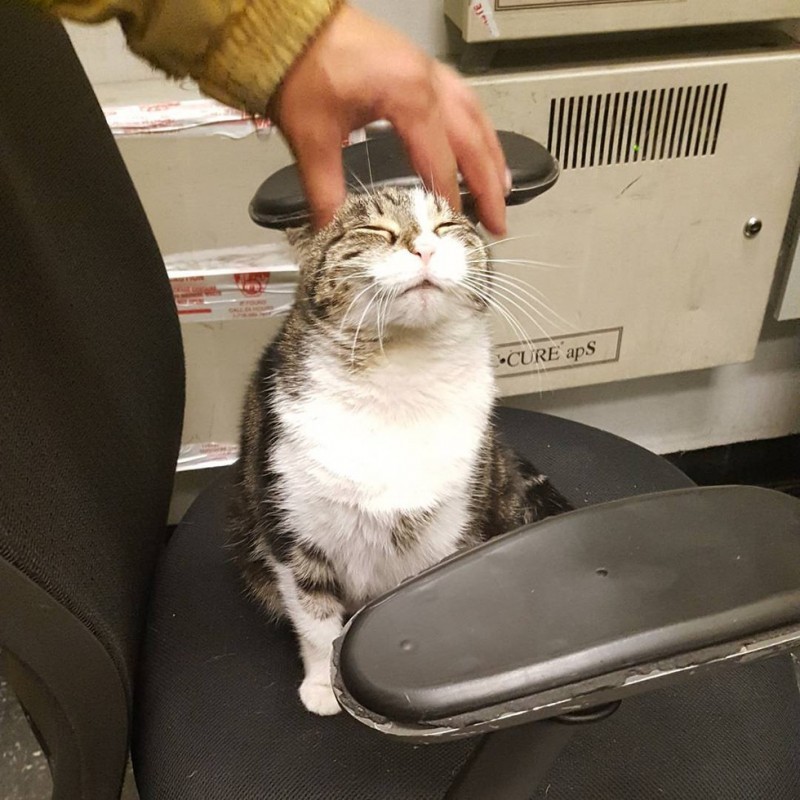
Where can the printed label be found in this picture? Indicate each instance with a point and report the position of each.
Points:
(202, 298)
(483, 10)
(233, 283)
(561, 352)
(205, 455)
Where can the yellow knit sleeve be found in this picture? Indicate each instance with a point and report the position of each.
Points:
(237, 50)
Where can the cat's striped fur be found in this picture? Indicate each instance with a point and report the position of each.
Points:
(368, 451)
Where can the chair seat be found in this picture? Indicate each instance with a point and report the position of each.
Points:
(218, 717)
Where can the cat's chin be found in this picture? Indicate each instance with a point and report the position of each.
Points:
(424, 307)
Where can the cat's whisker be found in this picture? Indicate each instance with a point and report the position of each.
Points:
(496, 303)
(360, 182)
(516, 328)
(343, 280)
(363, 273)
(535, 295)
(513, 300)
(369, 166)
(352, 303)
(511, 293)
(523, 262)
(487, 245)
(381, 296)
(517, 282)
(383, 307)
(529, 262)
(392, 294)
(531, 312)
(358, 327)
(524, 338)
(432, 185)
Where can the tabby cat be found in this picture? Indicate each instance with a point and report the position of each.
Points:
(368, 451)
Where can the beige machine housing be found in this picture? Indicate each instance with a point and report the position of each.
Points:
(490, 20)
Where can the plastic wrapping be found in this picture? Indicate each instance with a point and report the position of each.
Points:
(205, 455)
(187, 117)
(235, 283)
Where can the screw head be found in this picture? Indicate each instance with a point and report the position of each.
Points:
(752, 227)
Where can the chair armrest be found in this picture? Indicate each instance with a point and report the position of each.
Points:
(280, 201)
(577, 610)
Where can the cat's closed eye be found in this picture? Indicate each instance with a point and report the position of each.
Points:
(444, 227)
(380, 230)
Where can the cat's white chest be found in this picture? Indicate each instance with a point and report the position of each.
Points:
(353, 461)
(381, 465)
(403, 439)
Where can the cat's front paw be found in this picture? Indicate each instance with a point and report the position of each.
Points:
(319, 698)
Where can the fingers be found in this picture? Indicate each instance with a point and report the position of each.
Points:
(477, 152)
(319, 159)
(434, 112)
(430, 153)
(486, 179)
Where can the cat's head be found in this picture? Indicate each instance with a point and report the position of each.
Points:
(394, 258)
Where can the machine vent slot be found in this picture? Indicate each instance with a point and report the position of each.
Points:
(624, 127)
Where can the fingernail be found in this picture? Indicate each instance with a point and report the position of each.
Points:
(509, 182)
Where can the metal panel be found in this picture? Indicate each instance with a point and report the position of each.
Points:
(645, 235)
(522, 19)
(789, 303)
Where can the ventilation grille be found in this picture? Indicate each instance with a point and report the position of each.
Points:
(650, 125)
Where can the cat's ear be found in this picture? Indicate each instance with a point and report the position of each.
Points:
(299, 237)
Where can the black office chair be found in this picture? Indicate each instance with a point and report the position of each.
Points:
(113, 634)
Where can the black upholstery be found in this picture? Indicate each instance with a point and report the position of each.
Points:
(730, 735)
(91, 402)
(92, 366)
(215, 667)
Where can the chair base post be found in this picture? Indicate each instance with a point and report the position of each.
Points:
(512, 762)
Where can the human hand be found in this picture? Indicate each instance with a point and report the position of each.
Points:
(358, 70)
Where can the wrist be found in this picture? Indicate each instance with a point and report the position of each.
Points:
(257, 47)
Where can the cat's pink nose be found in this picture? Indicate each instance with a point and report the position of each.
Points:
(424, 251)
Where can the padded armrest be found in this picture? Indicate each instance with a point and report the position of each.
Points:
(579, 609)
(280, 201)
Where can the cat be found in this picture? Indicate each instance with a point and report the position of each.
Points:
(368, 451)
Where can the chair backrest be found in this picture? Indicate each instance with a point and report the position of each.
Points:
(91, 405)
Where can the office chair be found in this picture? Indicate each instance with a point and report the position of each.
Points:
(115, 635)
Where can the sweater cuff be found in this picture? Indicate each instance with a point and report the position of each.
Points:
(256, 47)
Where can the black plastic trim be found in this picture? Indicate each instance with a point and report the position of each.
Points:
(611, 589)
(280, 201)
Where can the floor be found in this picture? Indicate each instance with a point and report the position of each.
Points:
(23, 767)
